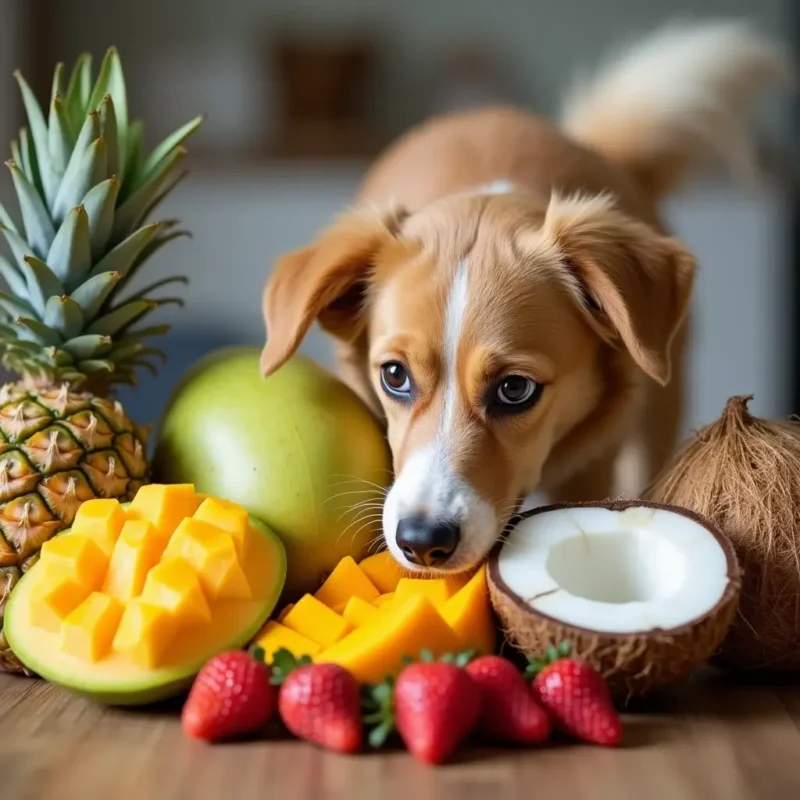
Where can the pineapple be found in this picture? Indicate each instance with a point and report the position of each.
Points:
(68, 327)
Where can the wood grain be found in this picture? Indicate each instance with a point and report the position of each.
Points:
(712, 738)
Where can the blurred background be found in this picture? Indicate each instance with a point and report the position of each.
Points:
(301, 94)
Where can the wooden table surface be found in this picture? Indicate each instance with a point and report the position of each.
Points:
(712, 738)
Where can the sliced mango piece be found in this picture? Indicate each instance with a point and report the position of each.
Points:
(469, 614)
(101, 520)
(212, 555)
(316, 621)
(164, 505)
(144, 633)
(376, 649)
(228, 517)
(275, 636)
(173, 585)
(286, 609)
(383, 571)
(344, 582)
(384, 600)
(138, 549)
(437, 590)
(78, 556)
(359, 612)
(88, 631)
(58, 596)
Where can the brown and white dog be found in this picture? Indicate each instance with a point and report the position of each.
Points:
(507, 298)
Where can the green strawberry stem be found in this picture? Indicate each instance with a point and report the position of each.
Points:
(551, 655)
(283, 663)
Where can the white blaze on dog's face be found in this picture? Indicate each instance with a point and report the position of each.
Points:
(499, 333)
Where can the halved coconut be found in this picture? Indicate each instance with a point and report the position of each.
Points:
(644, 592)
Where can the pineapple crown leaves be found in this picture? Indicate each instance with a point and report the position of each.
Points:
(85, 188)
(551, 655)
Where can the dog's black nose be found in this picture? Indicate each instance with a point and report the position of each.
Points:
(426, 542)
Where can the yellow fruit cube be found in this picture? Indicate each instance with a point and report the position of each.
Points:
(212, 555)
(274, 637)
(101, 520)
(359, 612)
(286, 609)
(383, 571)
(54, 598)
(88, 631)
(469, 614)
(316, 621)
(344, 582)
(376, 649)
(138, 549)
(77, 556)
(164, 506)
(144, 633)
(384, 600)
(435, 589)
(173, 585)
(228, 517)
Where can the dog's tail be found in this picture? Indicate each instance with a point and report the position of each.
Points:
(677, 99)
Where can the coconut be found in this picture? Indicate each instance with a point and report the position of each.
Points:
(644, 592)
(744, 474)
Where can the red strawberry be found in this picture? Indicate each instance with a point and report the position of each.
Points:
(321, 704)
(436, 707)
(576, 695)
(509, 711)
(230, 696)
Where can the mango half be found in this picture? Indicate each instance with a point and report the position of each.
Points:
(129, 603)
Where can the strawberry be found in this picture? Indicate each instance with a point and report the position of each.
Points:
(576, 696)
(319, 703)
(509, 712)
(231, 696)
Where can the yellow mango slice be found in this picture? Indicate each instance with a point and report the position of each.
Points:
(376, 649)
(316, 621)
(88, 631)
(212, 555)
(228, 517)
(173, 585)
(56, 598)
(469, 614)
(138, 549)
(384, 600)
(274, 637)
(383, 571)
(359, 612)
(344, 582)
(286, 609)
(144, 633)
(436, 590)
(164, 505)
(101, 520)
(78, 556)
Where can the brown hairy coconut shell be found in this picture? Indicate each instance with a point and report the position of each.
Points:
(633, 662)
(744, 474)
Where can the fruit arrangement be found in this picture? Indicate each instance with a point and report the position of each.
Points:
(433, 705)
(69, 323)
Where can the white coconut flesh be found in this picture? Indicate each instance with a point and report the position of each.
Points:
(616, 571)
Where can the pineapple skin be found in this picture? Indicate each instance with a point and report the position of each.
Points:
(58, 448)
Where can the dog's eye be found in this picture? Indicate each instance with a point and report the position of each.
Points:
(395, 379)
(515, 393)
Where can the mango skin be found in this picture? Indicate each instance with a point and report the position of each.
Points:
(286, 448)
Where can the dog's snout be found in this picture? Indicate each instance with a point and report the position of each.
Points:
(428, 543)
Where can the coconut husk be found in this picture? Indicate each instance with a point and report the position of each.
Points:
(743, 473)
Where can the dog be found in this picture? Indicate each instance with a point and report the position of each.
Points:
(506, 298)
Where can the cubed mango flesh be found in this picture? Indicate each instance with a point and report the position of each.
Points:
(172, 585)
(77, 556)
(383, 571)
(137, 551)
(377, 649)
(57, 597)
(437, 590)
(164, 505)
(101, 520)
(145, 632)
(228, 517)
(384, 600)
(344, 582)
(469, 613)
(316, 621)
(212, 555)
(88, 631)
(359, 612)
(274, 636)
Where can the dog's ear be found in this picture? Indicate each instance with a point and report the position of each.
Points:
(325, 281)
(636, 280)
